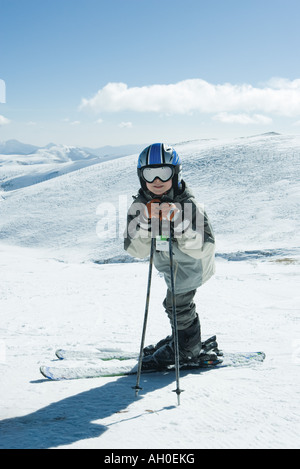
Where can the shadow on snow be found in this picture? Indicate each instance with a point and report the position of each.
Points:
(71, 419)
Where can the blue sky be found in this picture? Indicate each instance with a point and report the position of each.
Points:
(97, 72)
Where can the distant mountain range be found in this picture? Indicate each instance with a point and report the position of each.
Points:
(14, 147)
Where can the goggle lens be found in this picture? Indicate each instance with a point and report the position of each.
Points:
(164, 173)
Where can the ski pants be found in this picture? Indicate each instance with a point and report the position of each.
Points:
(185, 308)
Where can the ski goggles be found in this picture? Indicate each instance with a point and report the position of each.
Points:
(164, 173)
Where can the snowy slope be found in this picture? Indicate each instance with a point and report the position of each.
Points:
(53, 294)
(249, 187)
(19, 171)
(22, 165)
(46, 304)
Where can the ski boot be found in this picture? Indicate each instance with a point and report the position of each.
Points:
(152, 348)
(189, 350)
(190, 346)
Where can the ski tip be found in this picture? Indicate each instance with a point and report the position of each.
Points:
(45, 371)
(59, 354)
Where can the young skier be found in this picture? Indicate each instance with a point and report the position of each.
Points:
(165, 205)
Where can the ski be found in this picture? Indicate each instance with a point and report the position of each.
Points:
(107, 354)
(128, 367)
(100, 354)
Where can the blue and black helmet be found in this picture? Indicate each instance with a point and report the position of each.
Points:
(160, 155)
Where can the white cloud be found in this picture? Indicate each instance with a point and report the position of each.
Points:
(243, 119)
(4, 120)
(278, 96)
(283, 83)
(67, 120)
(99, 121)
(126, 125)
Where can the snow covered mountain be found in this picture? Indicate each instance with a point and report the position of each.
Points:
(25, 169)
(22, 165)
(13, 147)
(110, 152)
(249, 187)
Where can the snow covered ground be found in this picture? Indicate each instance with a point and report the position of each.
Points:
(64, 284)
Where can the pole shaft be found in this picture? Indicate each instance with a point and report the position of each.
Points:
(137, 386)
(175, 329)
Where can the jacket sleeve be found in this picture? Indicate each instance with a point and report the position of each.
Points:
(137, 236)
(197, 239)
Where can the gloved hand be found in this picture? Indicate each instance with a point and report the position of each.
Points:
(163, 211)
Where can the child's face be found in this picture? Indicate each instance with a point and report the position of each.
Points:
(158, 187)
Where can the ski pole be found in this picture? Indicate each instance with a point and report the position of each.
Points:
(137, 386)
(175, 330)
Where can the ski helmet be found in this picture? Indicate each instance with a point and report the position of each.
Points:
(160, 155)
